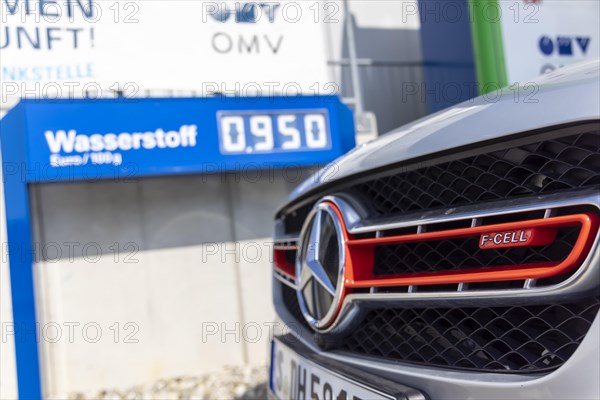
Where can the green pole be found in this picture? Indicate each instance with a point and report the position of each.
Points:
(487, 44)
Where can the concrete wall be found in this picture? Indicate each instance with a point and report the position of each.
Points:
(189, 285)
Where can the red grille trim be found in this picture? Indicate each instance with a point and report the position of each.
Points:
(360, 254)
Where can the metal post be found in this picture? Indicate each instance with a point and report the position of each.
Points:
(356, 83)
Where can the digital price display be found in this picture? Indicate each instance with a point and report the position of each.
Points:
(280, 131)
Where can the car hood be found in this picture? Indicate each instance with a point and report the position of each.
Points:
(566, 95)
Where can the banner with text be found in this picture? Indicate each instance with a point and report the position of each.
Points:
(61, 48)
(540, 36)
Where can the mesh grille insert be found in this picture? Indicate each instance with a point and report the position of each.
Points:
(565, 163)
(502, 339)
(464, 253)
(290, 300)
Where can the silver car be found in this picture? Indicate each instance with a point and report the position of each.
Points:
(453, 258)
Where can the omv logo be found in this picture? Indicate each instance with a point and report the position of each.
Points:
(564, 45)
(241, 12)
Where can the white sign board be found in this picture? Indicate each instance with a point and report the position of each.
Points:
(540, 36)
(54, 48)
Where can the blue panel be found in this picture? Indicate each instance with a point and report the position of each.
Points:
(447, 53)
(448, 84)
(14, 168)
(120, 138)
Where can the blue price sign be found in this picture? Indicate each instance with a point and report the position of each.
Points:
(149, 137)
(287, 130)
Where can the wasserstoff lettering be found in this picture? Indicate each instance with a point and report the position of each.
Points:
(70, 141)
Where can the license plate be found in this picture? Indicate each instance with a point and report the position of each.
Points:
(293, 377)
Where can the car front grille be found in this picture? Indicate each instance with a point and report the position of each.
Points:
(569, 162)
(464, 253)
(510, 337)
(500, 339)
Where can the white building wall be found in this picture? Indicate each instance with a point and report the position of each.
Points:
(194, 296)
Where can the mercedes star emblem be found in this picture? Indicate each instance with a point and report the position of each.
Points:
(320, 266)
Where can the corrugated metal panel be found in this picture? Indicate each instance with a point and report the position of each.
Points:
(386, 92)
(390, 62)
